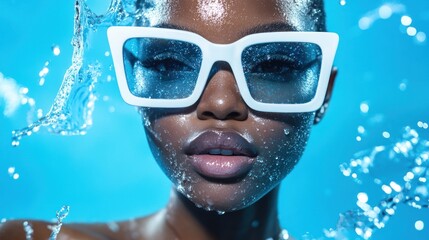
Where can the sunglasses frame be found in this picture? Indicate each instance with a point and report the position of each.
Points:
(231, 53)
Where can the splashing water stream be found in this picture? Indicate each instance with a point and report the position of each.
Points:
(400, 169)
(71, 112)
(61, 215)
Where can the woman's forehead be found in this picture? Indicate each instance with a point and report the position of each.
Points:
(231, 18)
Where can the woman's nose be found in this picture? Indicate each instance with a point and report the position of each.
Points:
(221, 98)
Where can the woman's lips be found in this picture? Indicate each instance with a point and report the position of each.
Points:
(220, 154)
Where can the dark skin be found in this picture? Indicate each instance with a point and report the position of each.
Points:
(250, 201)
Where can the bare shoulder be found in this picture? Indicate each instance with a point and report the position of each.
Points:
(15, 230)
(150, 227)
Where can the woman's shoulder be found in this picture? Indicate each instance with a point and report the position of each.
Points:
(20, 229)
(150, 227)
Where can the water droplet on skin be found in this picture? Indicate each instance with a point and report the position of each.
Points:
(180, 188)
(114, 227)
(28, 230)
(286, 131)
(255, 224)
(220, 212)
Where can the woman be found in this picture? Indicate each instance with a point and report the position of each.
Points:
(228, 146)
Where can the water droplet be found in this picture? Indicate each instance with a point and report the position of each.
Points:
(41, 81)
(362, 197)
(12, 173)
(343, 2)
(420, 124)
(385, 11)
(56, 50)
(11, 170)
(23, 90)
(406, 20)
(114, 227)
(286, 131)
(220, 212)
(364, 107)
(411, 31)
(44, 72)
(365, 23)
(421, 37)
(361, 130)
(28, 230)
(386, 134)
(419, 225)
(180, 188)
(284, 234)
(255, 224)
(403, 85)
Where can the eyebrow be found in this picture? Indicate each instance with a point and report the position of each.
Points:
(270, 27)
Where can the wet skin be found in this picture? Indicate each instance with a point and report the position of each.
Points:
(221, 120)
(265, 146)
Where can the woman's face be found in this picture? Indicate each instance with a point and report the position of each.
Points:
(220, 153)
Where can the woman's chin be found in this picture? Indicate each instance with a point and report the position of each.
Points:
(223, 197)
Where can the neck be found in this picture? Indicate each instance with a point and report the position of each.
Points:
(258, 221)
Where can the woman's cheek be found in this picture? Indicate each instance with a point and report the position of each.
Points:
(281, 146)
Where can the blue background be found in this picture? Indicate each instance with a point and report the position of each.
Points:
(109, 174)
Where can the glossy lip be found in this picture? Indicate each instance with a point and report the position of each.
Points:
(238, 161)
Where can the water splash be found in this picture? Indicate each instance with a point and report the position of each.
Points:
(71, 112)
(401, 169)
(28, 230)
(386, 11)
(61, 215)
(14, 96)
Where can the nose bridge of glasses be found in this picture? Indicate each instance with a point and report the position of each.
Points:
(222, 53)
(221, 57)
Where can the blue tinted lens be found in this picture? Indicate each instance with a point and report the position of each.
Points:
(161, 68)
(282, 72)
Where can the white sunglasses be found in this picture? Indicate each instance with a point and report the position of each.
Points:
(274, 71)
